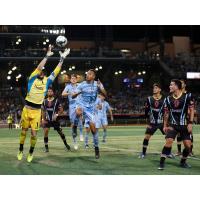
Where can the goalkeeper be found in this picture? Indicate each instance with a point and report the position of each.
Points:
(38, 84)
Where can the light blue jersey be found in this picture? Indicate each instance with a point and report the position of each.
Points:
(71, 89)
(87, 100)
(102, 113)
(88, 95)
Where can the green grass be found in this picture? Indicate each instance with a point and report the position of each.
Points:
(118, 156)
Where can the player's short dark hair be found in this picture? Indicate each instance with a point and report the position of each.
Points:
(50, 88)
(73, 75)
(93, 71)
(177, 83)
(157, 85)
(183, 80)
(102, 94)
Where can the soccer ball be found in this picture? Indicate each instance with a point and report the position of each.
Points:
(61, 41)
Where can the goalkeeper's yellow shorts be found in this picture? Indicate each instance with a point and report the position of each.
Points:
(31, 118)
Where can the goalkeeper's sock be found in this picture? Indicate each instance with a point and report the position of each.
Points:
(22, 140)
(33, 143)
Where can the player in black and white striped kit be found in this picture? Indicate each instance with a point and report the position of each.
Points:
(178, 107)
(154, 110)
(50, 110)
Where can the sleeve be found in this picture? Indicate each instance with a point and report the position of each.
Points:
(107, 106)
(54, 74)
(34, 74)
(147, 107)
(79, 88)
(66, 89)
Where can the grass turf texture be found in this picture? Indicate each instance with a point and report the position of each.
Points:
(119, 155)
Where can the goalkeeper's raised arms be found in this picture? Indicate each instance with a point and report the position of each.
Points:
(43, 62)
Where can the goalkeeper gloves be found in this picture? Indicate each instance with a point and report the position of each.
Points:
(49, 52)
(64, 54)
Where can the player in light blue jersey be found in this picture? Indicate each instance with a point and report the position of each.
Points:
(102, 115)
(88, 91)
(67, 92)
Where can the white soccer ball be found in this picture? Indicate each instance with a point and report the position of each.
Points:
(61, 41)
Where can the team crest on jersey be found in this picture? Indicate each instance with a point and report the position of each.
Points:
(176, 103)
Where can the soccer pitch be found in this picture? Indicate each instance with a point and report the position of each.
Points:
(119, 156)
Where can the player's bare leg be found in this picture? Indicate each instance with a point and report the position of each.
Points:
(145, 145)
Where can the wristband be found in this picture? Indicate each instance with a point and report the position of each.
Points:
(190, 122)
(61, 59)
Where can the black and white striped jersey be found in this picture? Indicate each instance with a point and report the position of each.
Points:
(154, 108)
(178, 108)
(50, 108)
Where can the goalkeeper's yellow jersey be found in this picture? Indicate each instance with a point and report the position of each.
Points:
(37, 88)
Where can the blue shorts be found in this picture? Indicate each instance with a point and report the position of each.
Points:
(72, 116)
(88, 113)
(102, 122)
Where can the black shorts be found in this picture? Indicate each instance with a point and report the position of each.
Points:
(179, 129)
(54, 124)
(152, 128)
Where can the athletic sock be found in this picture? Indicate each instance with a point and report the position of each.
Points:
(46, 139)
(179, 143)
(74, 133)
(166, 151)
(81, 129)
(95, 138)
(86, 138)
(22, 140)
(33, 143)
(104, 134)
(145, 144)
(185, 154)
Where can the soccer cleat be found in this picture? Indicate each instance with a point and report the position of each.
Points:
(20, 155)
(81, 138)
(67, 147)
(75, 146)
(185, 165)
(104, 141)
(178, 153)
(87, 146)
(97, 155)
(142, 156)
(191, 154)
(161, 167)
(29, 158)
(46, 149)
(171, 156)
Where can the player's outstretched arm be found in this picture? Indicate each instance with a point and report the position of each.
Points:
(43, 62)
(111, 114)
(101, 88)
(56, 71)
